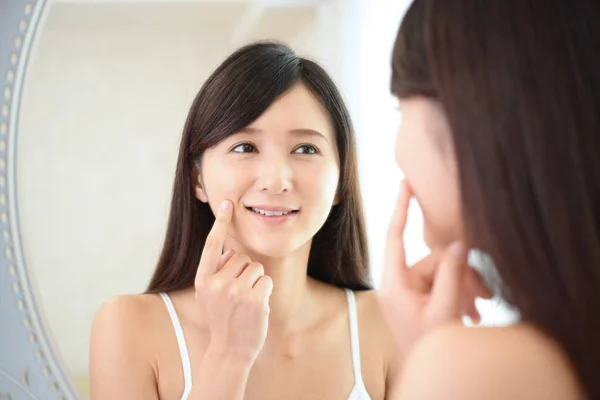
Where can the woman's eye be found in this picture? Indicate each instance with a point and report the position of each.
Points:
(244, 148)
(306, 149)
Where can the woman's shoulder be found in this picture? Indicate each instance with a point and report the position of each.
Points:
(371, 319)
(127, 310)
(370, 312)
(126, 315)
(123, 345)
(516, 362)
(374, 331)
(126, 320)
(367, 304)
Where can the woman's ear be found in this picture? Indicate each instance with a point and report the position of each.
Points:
(199, 191)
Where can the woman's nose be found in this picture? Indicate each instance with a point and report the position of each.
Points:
(274, 175)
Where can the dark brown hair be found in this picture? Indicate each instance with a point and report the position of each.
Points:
(519, 81)
(235, 95)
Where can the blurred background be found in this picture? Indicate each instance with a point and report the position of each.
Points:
(107, 91)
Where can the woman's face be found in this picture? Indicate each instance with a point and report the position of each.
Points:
(281, 173)
(425, 153)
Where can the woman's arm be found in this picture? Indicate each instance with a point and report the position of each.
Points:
(121, 366)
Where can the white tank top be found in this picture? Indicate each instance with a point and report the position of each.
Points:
(359, 392)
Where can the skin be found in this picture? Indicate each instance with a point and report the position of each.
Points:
(516, 362)
(425, 155)
(256, 326)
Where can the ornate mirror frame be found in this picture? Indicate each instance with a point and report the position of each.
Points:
(30, 367)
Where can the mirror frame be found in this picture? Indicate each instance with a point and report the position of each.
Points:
(30, 366)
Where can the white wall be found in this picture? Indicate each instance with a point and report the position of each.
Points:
(377, 120)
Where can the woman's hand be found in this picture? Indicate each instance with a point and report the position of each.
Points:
(439, 288)
(234, 294)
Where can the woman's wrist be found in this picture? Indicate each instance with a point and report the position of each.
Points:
(228, 358)
(222, 376)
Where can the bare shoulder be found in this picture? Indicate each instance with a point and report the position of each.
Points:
(517, 362)
(127, 320)
(123, 315)
(374, 329)
(121, 359)
(125, 304)
(371, 317)
(372, 320)
(370, 314)
(367, 304)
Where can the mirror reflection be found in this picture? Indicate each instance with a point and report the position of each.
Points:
(105, 100)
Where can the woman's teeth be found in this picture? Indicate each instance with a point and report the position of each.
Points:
(271, 213)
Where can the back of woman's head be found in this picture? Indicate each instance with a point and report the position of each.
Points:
(246, 84)
(519, 82)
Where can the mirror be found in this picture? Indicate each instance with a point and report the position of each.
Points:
(93, 100)
(99, 117)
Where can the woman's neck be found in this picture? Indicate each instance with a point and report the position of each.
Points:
(292, 289)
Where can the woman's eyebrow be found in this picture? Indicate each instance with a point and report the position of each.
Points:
(308, 132)
(296, 132)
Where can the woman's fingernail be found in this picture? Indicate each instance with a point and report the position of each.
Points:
(225, 205)
(225, 254)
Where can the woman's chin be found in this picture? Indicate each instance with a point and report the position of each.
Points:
(271, 250)
(435, 241)
(431, 240)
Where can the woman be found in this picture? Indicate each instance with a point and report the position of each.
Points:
(261, 303)
(499, 144)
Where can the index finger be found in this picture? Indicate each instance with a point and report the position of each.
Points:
(211, 254)
(395, 255)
